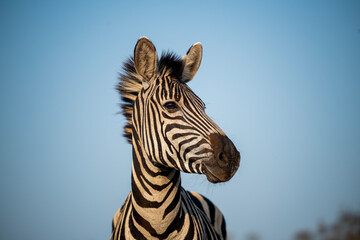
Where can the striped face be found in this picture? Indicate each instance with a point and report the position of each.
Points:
(171, 123)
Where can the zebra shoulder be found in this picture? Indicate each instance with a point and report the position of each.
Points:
(212, 212)
(116, 219)
(119, 213)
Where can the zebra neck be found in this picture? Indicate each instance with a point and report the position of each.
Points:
(156, 193)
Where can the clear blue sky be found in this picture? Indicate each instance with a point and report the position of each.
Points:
(282, 79)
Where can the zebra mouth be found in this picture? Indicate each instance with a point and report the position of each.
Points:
(216, 175)
(210, 176)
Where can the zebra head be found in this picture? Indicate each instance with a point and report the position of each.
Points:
(167, 120)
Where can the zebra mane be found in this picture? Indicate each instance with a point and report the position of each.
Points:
(130, 83)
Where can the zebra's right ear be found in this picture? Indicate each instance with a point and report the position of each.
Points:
(145, 58)
(191, 62)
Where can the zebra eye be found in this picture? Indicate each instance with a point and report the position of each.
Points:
(171, 106)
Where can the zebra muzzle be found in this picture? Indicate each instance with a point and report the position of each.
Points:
(225, 161)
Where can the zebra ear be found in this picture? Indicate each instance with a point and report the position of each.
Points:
(145, 58)
(191, 62)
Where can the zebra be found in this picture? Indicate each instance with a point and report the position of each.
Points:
(169, 132)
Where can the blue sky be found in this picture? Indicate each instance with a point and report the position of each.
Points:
(282, 79)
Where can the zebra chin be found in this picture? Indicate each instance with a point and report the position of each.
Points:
(225, 161)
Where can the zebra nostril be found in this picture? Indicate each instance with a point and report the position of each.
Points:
(221, 156)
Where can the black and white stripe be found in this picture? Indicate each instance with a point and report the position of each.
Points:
(169, 132)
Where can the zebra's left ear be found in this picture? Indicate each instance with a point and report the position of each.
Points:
(191, 62)
(145, 59)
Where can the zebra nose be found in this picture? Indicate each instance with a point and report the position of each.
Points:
(224, 150)
(226, 158)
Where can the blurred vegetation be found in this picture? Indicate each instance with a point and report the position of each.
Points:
(346, 227)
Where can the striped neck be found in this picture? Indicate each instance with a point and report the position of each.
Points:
(156, 193)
